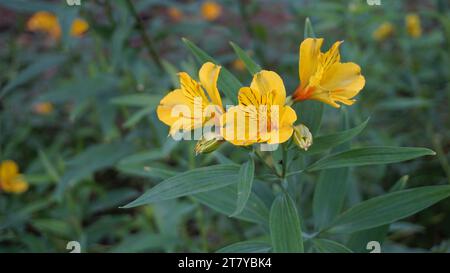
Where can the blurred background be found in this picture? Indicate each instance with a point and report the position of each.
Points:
(80, 83)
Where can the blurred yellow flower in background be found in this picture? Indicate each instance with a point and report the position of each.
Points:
(10, 179)
(238, 64)
(175, 14)
(324, 78)
(43, 108)
(262, 114)
(47, 22)
(211, 10)
(384, 31)
(413, 25)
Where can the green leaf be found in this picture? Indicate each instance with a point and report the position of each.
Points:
(285, 228)
(140, 100)
(48, 166)
(94, 158)
(328, 246)
(388, 208)
(228, 83)
(331, 188)
(369, 156)
(190, 182)
(251, 65)
(244, 187)
(40, 65)
(309, 31)
(311, 113)
(252, 246)
(144, 170)
(358, 240)
(223, 200)
(326, 142)
(138, 116)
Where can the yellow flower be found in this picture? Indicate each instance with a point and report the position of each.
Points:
(413, 25)
(43, 108)
(324, 78)
(238, 64)
(189, 107)
(79, 27)
(175, 14)
(211, 10)
(10, 179)
(47, 22)
(261, 115)
(384, 31)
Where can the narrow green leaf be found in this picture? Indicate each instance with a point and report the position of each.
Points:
(388, 208)
(146, 171)
(252, 246)
(138, 116)
(40, 65)
(326, 142)
(223, 200)
(244, 187)
(228, 83)
(140, 100)
(358, 240)
(190, 182)
(369, 156)
(251, 65)
(48, 166)
(309, 31)
(285, 228)
(328, 246)
(331, 188)
(94, 158)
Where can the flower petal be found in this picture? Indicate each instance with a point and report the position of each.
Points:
(343, 79)
(8, 170)
(208, 75)
(309, 58)
(269, 82)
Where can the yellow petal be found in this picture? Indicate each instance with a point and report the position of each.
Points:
(309, 58)
(17, 185)
(79, 27)
(191, 88)
(171, 100)
(285, 131)
(268, 82)
(343, 80)
(8, 170)
(235, 127)
(208, 75)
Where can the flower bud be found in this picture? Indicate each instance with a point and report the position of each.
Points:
(302, 137)
(205, 146)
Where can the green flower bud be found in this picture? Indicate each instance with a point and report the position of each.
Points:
(205, 146)
(302, 137)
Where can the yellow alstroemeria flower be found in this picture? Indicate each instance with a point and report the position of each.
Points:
(175, 14)
(211, 10)
(185, 107)
(413, 25)
(384, 31)
(10, 179)
(43, 108)
(324, 78)
(48, 22)
(261, 116)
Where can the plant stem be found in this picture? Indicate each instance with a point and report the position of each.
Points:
(145, 38)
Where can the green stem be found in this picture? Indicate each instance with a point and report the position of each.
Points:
(145, 38)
